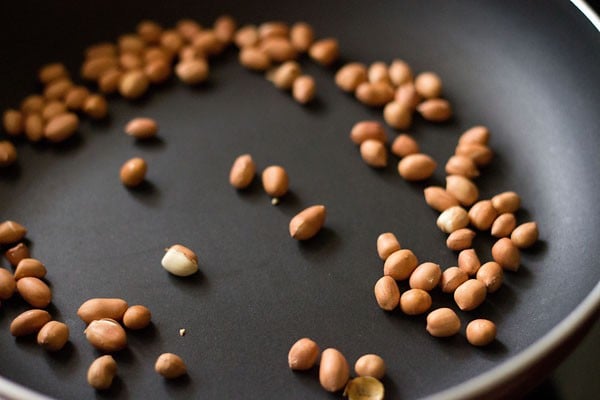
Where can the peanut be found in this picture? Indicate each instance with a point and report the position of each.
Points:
(400, 72)
(480, 154)
(34, 103)
(30, 267)
(469, 295)
(453, 219)
(507, 254)
(29, 322)
(302, 36)
(435, 110)
(137, 317)
(452, 278)
(157, 71)
(525, 235)
(460, 239)
(387, 293)
(98, 308)
(34, 127)
(443, 322)
(324, 51)
(170, 366)
(101, 372)
(283, 77)
(400, 264)
(53, 336)
(334, 371)
(397, 115)
(477, 134)
(374, 153)
(350, 76)
(180, 261)
(506, 202)
(133, 172)
(275, 181)
(303, 354)
(404, 145)
(7, 284)
(481, 332)
(462, 165)
(58, 89)
(12, 121)
(463, 189)
(61, 127)
(106, 335)
(439, 199)
(304, 89)
(224, 28)
(426, 276)
(279, 49)
(108, 82)
(491, 275)
(11, 232)
(141, 128)
(378, 72)
(273, 29)
(15, 254)
(415, 302)
(246, 36)
(482, 215)
(387, 243)
(416, 167)
(149, 31)
(308, 222)
(34, 291)
(242, 172)
(95, 106)
(374, 94)
(365, 130)
(8, 153)
(370, 365)
(75, 97)
(52, 72)
(407, 95)
(52, 109)
(254, 58)
(133, 84)
(192, 72)
(428, 85)
(503, 225)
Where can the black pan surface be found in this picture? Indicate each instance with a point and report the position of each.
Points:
(528, 70)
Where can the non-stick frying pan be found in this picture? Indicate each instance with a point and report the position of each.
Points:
(528, 70)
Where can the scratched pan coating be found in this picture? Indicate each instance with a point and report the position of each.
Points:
(527, 71)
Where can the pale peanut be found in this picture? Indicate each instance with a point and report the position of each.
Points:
(415, 302)
(242, 171)
(350, 76)
(416, 167)
(426, 276)
(374, 153)
(404, 145)
(503, 225)
(443, 322)
(400, 264)
(460, 239)
(303, 354)
(491, 275)
(452, 278)
(525, 235)
(453, 219)
(308, 222)
(387, 293)
(481, 332)
(365, 130)
(387, 243)
(463, 189)
(469, 295)
(334, 371)
(507, 254)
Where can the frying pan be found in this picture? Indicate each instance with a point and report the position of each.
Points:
(527, 70)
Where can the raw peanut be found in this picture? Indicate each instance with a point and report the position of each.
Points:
(273, 29)
(462, 165)
(246, 36)
(15, 254)
(428, 85)
(75, 97)
(302, 36)
(61, 127)
(416, 167)
(304, 89)
(374, 94)
(58, 89)
(137, 317)
(400, 264)
(460, 239)
(170, 366)
(452, 278)
(53, 336)
(158, 71)
(101, 372)
(506, 202)
(34, 128)
(387, 243)
(491, 275)
(149, 31)
(525, 235)
(415, 302)
(133, 84)
(186, 29)
(479, 153)
(192, 72)
(254, 58)
(407, 95)
(477, 134)
(507, 254)
(404, 145)
(180, 261)
(324, 51)
(387, 293)
(308, 222)
(95, 106)
(30, 267)
(52, 72)
(131, 61)
(12, 121)
(242, 171)
(8, 153)
(279, 49)
(334, 371)
(400, 72)
(303, 354)
(52, 109)
(435, 110)
(463, 189)
(378, 72)
(426, 276)
(34, 291)
(283, 77)
(208, 43)
(130, 43)
(98, 308)
(34, 103)
(108, 82)
(482, 215)
(503, 225)
(468, 261)
(443, 322)
(374, 153)
(104, 49)
(133, 172)
(439, 199)
(142, 128)
(275, 181)
(370, 365)
(29, 322)
(11, 232)
(158, 53)
(470, 294)
(453, 219)
(397, 115)
(94, 68)
(365, 130)
(106, 335)
(350, 76)
(481, 332)
(224, 28)
(7, 284)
